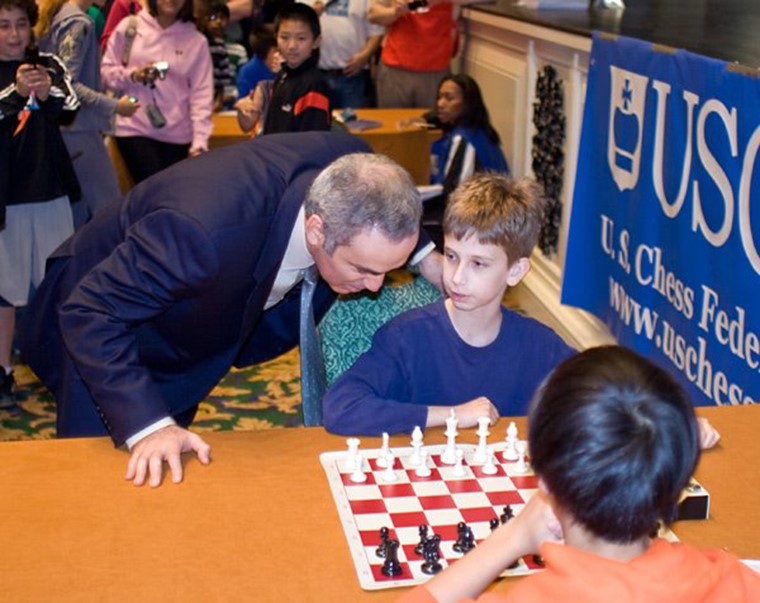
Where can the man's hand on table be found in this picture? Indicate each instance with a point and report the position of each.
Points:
(166, 444)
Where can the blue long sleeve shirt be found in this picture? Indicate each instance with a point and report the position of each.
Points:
(418, 360)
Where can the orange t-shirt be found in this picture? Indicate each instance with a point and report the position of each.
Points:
(666, 573)
(421, 41)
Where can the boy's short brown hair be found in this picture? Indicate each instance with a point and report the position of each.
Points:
(499, 211)
(28, 6)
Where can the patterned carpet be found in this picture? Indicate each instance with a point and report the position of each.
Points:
(259, 397)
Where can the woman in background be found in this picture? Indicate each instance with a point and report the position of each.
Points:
(65, 29)
(161, 59)
(469, 144)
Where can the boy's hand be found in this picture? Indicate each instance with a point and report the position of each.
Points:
(469, 412)
(33, 78)
(533, 526)
(708, 435)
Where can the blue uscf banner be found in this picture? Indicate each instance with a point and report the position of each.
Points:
(664, 240)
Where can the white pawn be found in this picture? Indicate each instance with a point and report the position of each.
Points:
(510, 453)
(417, 444)
(389, 474)
(385, 450)
(358, 476)
(522, 450)
(459, 469)
(422, 469)
(490, 467)
(481, 452)
(353, 449)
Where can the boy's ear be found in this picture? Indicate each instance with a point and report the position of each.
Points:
(315, 231)
(517, 271)
(317, 42)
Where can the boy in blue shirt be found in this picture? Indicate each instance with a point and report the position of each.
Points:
(466, 351)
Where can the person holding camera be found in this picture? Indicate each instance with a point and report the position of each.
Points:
(37, 180)
(159, 58)
(67, 31)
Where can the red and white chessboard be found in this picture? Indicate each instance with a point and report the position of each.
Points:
(440, 501)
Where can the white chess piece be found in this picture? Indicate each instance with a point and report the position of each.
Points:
(449, 453)
(385, 450)
(510, 452)
(417, 444)
(490, 467)
(522, 450)
(481, 452)
(389, 474)
(422, 469)
(353, 448)
(459, 469)
(358, 476)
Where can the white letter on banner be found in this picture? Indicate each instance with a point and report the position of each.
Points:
(663, 90)
(716, 172)
(628, 92)
(745, 224)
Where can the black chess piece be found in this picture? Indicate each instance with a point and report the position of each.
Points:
(507, 514)
(432, 555)
(494, 523)
(381, 548)
(391, 567)
(461, 542)
(539, 560)
(423, 530)
(468, 542)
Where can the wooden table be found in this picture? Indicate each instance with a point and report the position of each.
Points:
(409, 146)
(258, 524)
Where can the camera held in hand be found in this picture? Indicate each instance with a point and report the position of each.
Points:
(159, 70)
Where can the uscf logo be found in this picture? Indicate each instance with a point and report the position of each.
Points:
(627, 99)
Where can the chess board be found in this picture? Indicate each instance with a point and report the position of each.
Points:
(439, 501)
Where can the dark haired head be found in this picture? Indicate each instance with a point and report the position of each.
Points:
(615, 440)
(262, 41)
(299, 12)
(218, 8)
(28, 6)
(474, 113)
(185, 13)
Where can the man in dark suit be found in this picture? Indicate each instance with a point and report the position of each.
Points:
(147, 307)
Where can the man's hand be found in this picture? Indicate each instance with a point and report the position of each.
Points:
(166, 444)
(431, 267)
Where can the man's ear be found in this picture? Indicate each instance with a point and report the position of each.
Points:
(315, 232)
(517, 271)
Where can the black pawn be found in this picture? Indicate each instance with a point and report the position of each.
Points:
(507, 514)
(461, 542)
(432, 554)
(423, 530)
(469, 540)
(382, 547)
(494, 523)
(391, 567)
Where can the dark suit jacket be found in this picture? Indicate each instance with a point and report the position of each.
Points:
(145, 309)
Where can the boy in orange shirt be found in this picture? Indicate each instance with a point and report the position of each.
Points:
(613, 440)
